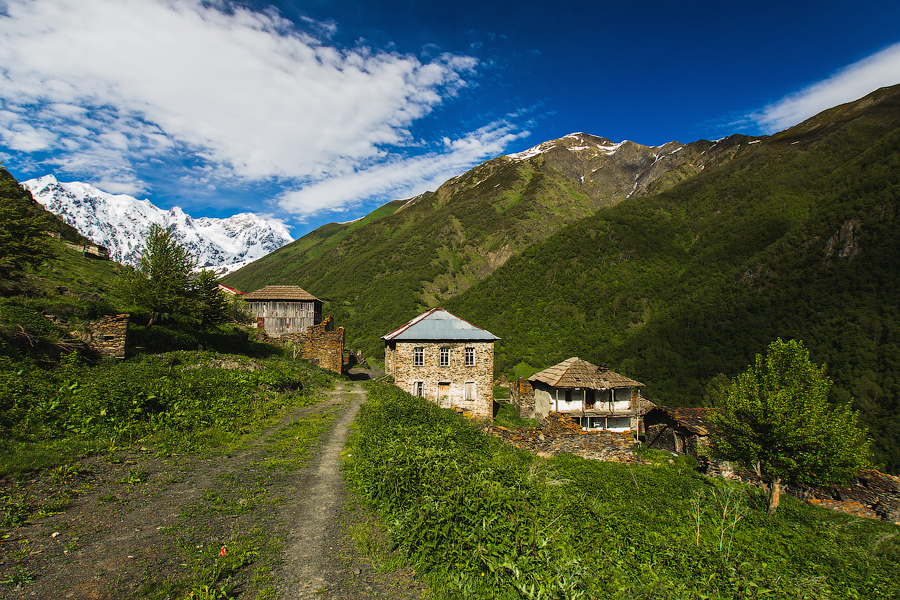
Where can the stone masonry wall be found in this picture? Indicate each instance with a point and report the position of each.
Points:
(322, 344)
(457, 374)
(521, 395)
(871, 494)
(561, 435)
(108, 336)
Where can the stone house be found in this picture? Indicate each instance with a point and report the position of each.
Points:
(685, 430)
(594, 397)
(445, 359)
(283, 309)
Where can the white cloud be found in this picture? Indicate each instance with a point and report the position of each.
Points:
(393, 179)
(851, 83)
(103, 85)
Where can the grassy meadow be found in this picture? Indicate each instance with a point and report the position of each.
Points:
(479, 519)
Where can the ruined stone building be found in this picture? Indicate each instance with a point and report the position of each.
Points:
(594, 397)
(445, 359)
(284, 309)
(685, 430)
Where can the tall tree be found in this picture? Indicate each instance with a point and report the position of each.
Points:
(212, 307)
(776, 419)
(161, 282)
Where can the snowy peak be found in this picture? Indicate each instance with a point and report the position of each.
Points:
(611, 171)
(121, 223)
(592, 145)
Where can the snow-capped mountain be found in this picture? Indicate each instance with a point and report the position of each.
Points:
(121, 223)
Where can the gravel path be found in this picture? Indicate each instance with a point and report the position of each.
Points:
(133, 525)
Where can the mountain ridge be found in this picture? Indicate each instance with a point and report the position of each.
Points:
(678, 288)
(121, 222)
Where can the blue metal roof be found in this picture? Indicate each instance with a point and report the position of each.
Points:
(439, 324)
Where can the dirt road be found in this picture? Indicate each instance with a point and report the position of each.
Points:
(268, 519)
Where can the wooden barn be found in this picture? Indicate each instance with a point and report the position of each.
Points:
(283, 309)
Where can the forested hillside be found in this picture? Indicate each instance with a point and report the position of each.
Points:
(791, 236)
(18, 197)
(679, 290)
(380, 271)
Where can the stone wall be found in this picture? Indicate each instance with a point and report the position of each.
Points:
(521, 395)
(108, 336)
(662, 436)
(322, 344)
(399, 362)
(871, 494)
(560, 435)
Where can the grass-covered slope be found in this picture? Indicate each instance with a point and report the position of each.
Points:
(378, 272)
(11, 191)
(286, 263)
(379, 275)
(478, 519)
(798, 239)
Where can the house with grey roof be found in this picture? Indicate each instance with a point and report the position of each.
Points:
(592, 396)
(281, 309)
(445, 359)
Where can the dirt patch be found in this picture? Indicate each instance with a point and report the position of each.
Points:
(268, 519)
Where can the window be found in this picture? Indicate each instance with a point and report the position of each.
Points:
(445, 357)
(470, 391)
(418, 356)
(470, 357)
(618, 423)
(419, 389)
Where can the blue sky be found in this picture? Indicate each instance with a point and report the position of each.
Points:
(320, 111)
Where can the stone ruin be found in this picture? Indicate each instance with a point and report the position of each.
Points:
(558, 434)
(107, 336)
(322, 344)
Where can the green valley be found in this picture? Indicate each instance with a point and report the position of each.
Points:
(791, 236)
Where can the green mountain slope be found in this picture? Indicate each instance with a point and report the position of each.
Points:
(407, 256)
(12, 192)
(674, 265)
(797, 239)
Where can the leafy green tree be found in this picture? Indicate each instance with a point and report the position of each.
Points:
(23, 239)
(776, 419)
(238, 310)
(161, 282)
(211, 306)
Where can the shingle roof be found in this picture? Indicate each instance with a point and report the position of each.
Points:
(280, 292)
(439, 324)
(695, 419)
(577, 373)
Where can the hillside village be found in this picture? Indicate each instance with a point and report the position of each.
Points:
(487, 352)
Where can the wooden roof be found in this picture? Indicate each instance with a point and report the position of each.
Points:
(692, 418)
(280, 292)
(577, 373)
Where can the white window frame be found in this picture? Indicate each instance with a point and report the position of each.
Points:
(470, 356)
(445, 357)
(419, 389)
(419, 356)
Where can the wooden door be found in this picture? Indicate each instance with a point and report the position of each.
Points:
(444, 394)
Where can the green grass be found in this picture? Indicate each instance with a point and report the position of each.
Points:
(479, 519)
(175, 402)
(524, 370)
(509, 417)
